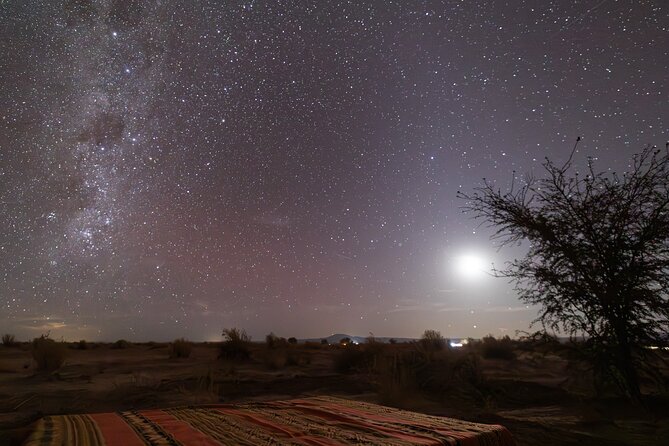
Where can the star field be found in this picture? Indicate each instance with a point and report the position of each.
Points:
(171, 168)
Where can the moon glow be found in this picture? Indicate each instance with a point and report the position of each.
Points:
(471, 266)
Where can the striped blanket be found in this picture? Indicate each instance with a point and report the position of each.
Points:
(316, 421)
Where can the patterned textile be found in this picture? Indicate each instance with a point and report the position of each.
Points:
(317, 421)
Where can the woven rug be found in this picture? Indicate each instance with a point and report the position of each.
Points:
(308, 421)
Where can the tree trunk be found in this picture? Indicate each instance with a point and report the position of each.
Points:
(625, 365)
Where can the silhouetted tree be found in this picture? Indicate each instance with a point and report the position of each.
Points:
(430, 343)
(433, 340)
(236, 344)
(598, 258)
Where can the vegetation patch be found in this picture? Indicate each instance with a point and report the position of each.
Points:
(8, 340)
(48, 354)
(121, 344)
(180, 348)
(492, 348)
(236, 345)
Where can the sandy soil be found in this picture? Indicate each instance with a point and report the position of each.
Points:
(540, 398)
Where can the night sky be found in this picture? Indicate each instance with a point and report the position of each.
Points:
(171, 168)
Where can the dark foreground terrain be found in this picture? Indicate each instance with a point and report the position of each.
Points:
(540, 395)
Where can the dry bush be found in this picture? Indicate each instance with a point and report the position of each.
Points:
(206, 382)
(397, 382)
(180, 348)
(311, 345)
(48, 354)
(352, 358)
(404, 374)
(492, 348)
(120, 344)
(298, 358)
(430, 343)
(236, 345)
(81, 345)
(279, 358)
(538, 341)
(275, 359)
(359, 358)
(467, 369)
(8, 340)
(273, 341)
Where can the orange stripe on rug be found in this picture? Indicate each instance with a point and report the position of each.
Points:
(115, 431)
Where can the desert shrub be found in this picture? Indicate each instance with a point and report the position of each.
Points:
(492, 348)
(8, 340)
(120, 344)
(405, 372)
(275, 359)
(236, 345)
(432, 340)
(298, 358)
(180, 348)
(545, 344)
(467, 368)
(81, 345)
(402, 373)
(392, 341)
(359, 358)
(350, 359)
(278, 358)
(292, 340)
(430, 343)
(397, 383)
(324, 341)
(468, 372)
(206, 382)
(273, 341)
(373, 347)
(311, 345)
(48, 354)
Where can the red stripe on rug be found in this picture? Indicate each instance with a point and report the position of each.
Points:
(270, 425)
(178, 429)
(115, 431)
(349, 419)
(469, 437)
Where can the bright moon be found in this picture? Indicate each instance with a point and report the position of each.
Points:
(470, 266)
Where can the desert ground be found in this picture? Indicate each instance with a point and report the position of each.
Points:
(540, 394)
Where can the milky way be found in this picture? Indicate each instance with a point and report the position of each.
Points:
(172, 168)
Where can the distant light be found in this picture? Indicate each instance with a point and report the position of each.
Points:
(455, 344)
